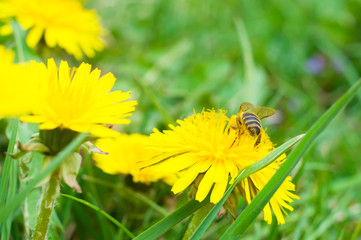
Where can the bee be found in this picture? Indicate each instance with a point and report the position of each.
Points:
(250, 116)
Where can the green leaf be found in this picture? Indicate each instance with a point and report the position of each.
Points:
(253, 210)
(244, 173)
(9, 208)
(110, 218)
(9, 179)
(171, 220)
(7, 165)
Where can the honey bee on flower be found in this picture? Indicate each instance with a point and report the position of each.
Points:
(250, 116)
(201, 148)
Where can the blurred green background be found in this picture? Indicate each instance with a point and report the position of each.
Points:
(175, 56)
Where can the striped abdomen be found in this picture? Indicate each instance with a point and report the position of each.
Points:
(252, 122)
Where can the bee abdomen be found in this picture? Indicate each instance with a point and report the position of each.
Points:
(252, 123)
(254, 130)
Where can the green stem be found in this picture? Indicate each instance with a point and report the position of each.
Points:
(50, 193)
(197, 219)
(18, 41)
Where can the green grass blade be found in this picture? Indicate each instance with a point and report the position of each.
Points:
(253, 210)
(172, 219)
(20, 197)
(356, 232)
(9, 179)
(127, 192)
(7, 166)
(110, 218)
(242, 175)
(13, 182)
(145, 200)
(93, 197)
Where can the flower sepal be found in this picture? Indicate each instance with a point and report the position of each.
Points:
(69, 170)
(194, 187)
(231, 204)
(89, 148)
(33, 145)
(24, 161)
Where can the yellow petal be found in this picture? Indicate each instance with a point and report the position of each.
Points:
(218, 190)
(48, 126)
(220, 173)
(267, 213)
(246, 188)
(33, 119)
(50, 37)
(176, 164)
(205, 185)
(202, 165)
(106, 83)
(277, 211)
(34, 36)
(6, 29)
(185, 180)
(102, 131)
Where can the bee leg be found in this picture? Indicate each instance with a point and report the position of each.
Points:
(235, 139)
(231, 127)
(258, 140)
(233, 143)
(239, 127)
(238, 134)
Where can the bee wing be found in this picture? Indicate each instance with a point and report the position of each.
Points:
(263, 112)
(246, 106)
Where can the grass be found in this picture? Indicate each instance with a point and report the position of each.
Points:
(180, 55)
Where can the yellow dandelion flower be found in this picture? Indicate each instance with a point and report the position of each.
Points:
(13, 89)
(63, 23)
(79, 100)
(203, 146)
(123, 153)
(7, 56)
